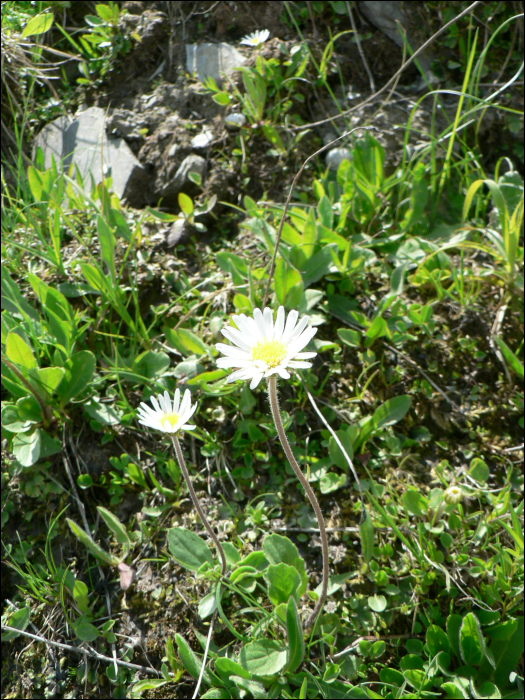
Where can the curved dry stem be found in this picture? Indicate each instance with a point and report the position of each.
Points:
(196, 502)
(274, 404)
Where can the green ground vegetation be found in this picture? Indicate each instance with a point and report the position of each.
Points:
(413, 275)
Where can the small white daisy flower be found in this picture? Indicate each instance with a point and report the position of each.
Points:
(262, 348)
(168, 417)
(256, 38)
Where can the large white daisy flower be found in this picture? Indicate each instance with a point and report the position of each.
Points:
(256, 38)
(168, 417)
(262, 348)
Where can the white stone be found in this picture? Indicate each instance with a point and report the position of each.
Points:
(212, 60)
(336, 156)
(84, 142)
(202, 139)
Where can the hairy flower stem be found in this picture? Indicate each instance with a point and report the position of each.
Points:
(274, 404)
(196, 502)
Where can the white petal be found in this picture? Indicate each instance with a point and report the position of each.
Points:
(259, 322)
(231, 351)
(299, 364)
(225, 362)
(290, 325)
(165, 402)
(299, 328)
(297, 344)
(146, 410)
(279, 324)
(268, 323)
(255, 381)
(176, 400)
(188, 427)
(282, 372)
(235, 336)
(304, 355)
(155, 403)
(186, 402)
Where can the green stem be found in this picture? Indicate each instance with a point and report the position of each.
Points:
(196, 502)
(274, 404)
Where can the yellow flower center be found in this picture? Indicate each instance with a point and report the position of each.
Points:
(272, 352)
(171, 419)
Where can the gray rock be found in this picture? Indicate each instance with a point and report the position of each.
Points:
(202, 139)
(235, 120)
(84, 142)
(190, 164)
(335, 157)
(212, 60)
(384, 16)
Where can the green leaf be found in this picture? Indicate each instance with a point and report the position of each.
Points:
(415, 502)
(453, 626)
(27, 448)
(309, 235)
(512, 360)
(140, 687)
(188, 549)
(295, 634)
(279, 549)
(107, 246)
(151, 364)
(185, 341)
(186, 204)
(286, 278)
(437, 641)
(471, 642)
(18, 619)
(86, 632)
(190, 660)
(12, 421)
(207, 606)
(49, 378)
(283, 581)
(366, 532)
(488, 691)
(80, 594)
(38, 24)
(350, 337)
(377, 603)
(332, 482)
(256, 689)
(116, 527)
(510, 658)
(317, 266)
(478, 470)
(397, 279)
(49, 445)
(94, 548)
(78, 373)
(325, 212)
(263, 658)
(84, 481)
(19, 352)
(335, 451)
(101, 412)
(391, 412)
(226, 667)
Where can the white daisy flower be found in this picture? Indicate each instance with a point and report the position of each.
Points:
(256, 38)
(262, 348)
(168, 417)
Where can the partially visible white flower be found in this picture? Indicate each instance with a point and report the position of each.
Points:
(256, 38)
(453, 495)
(168, 417)
(262, 348)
